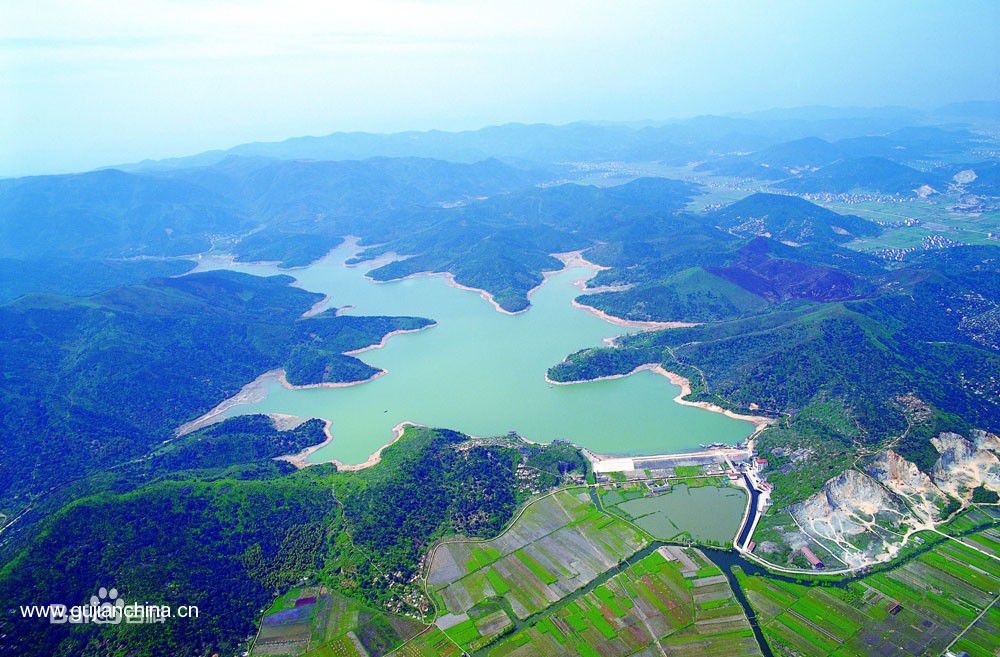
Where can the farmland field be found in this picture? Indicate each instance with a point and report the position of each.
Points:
(559, 544)
(660, 603)
(316, 622)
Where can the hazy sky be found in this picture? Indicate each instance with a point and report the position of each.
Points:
(92, 82)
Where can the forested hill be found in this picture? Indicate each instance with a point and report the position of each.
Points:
(866, 173)
(791, 219)
(92, 382)
(502, 244)
(118, 228)
(730, 263)
(928, 336)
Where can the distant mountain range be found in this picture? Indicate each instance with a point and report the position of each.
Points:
(878, 163)
(678, 141)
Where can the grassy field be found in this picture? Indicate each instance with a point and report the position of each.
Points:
(659, 602)
(558, 545)
(918, 608)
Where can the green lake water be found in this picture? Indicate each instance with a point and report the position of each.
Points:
(483, 372)
(706, 513)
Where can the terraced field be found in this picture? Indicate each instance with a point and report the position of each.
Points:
(941, 598)
(559, 544)
(672, 601)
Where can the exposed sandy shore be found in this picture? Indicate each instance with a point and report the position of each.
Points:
(576, 259)
(256, 390)
(317, 307)
(248, 394)
(450, 280)
(285, 422)
(569, 259)
(205, 262)
(385, 338)
(631, 323)
(301, 460)
(759, 422)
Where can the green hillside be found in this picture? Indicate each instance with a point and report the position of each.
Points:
(93, 382)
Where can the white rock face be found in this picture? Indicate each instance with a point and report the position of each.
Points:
(863, 518)
(848, 506)
(964, 176)
(905, 478)
(966, 464)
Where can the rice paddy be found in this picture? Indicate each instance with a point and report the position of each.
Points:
(672, 601)
(559, 544)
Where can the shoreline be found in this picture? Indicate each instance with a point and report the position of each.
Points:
(633, 323)
(255, 390)
(760, 422)
(319, 307)
(385, 338)
(569, 259)
(450, 280)
(576, 259)
(301, 459)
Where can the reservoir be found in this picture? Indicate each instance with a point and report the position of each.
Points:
(482, 372)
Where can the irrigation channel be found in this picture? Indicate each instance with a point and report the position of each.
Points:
(751, 513)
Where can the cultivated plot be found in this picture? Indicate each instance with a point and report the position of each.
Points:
(559, 544)
(315, 622)
(672, 601)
